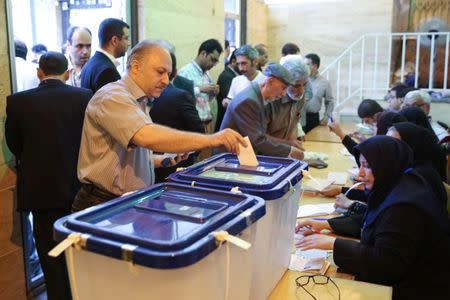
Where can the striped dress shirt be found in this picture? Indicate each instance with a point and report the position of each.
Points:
(193, 72)
(107, 158)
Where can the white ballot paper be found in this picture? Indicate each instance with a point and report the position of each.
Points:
(246, 155)
(312, 210)
(339, 178)
(304, 260)
(316, 184)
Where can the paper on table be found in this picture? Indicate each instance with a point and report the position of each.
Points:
(316, 184)
(312, 210)
(246, 155)
(304, 260)
(338, 177)
(312, 254)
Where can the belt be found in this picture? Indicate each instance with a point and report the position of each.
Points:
(92, 189)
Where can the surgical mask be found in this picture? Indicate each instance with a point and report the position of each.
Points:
(293, 97)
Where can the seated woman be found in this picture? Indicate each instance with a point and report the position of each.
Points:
(384, 120)
(405, 239)
(428, 161)
(427, 153)
(417, 116)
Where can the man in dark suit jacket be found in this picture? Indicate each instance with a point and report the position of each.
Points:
(224, 83)
(175, 108)
(101, 68)
(245, 113)
(184, 84)
(43, 130)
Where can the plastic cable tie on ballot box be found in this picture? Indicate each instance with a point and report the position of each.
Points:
(291, 187)
(71, 239)
(127, 255)
(223, 236)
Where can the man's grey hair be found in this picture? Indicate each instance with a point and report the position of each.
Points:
(261, 48)
(418, 94)
(164, 44)
(247, 51)
(140, 50)
(295, 65)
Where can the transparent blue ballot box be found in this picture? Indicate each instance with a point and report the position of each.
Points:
(276, 180)
(161, 243)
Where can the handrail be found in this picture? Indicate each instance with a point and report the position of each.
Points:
(366, 70)
(342, 55)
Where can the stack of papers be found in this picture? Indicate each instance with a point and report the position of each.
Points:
(312, 210)
(316, 185)
(309, 155)
(305, 260)
(339, 178)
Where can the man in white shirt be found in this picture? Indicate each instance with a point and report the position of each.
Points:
(322, 93)
(422, 100)
(26, 72)
(247, 62)
(79, 41)
(204, 89)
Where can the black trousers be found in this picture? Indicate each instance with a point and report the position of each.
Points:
(312, 121)
(89, 195)
(55, 269)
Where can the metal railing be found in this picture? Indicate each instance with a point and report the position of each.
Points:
(366, 68)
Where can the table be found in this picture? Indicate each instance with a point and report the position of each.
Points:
(350, 289)
(323, 134)
(336, 161)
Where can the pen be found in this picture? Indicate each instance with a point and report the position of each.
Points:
(320, 219)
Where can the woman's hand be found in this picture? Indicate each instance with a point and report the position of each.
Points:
(358, 136)
(343, 202)
(331, 191)
(310, 226)
(336, 129)
(316, 241)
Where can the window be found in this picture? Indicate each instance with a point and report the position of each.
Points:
(30, 21)
(232, 23)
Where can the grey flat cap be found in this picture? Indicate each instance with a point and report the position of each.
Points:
(280, 72)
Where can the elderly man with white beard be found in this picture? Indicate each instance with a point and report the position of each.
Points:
(283, 115)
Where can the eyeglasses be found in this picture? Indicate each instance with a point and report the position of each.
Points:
(303, 281)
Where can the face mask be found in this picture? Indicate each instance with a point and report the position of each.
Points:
(294, 97)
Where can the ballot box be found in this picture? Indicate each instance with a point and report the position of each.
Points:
(162, 243)
(276, 180)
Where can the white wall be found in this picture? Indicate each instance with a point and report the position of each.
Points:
(325, 27)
